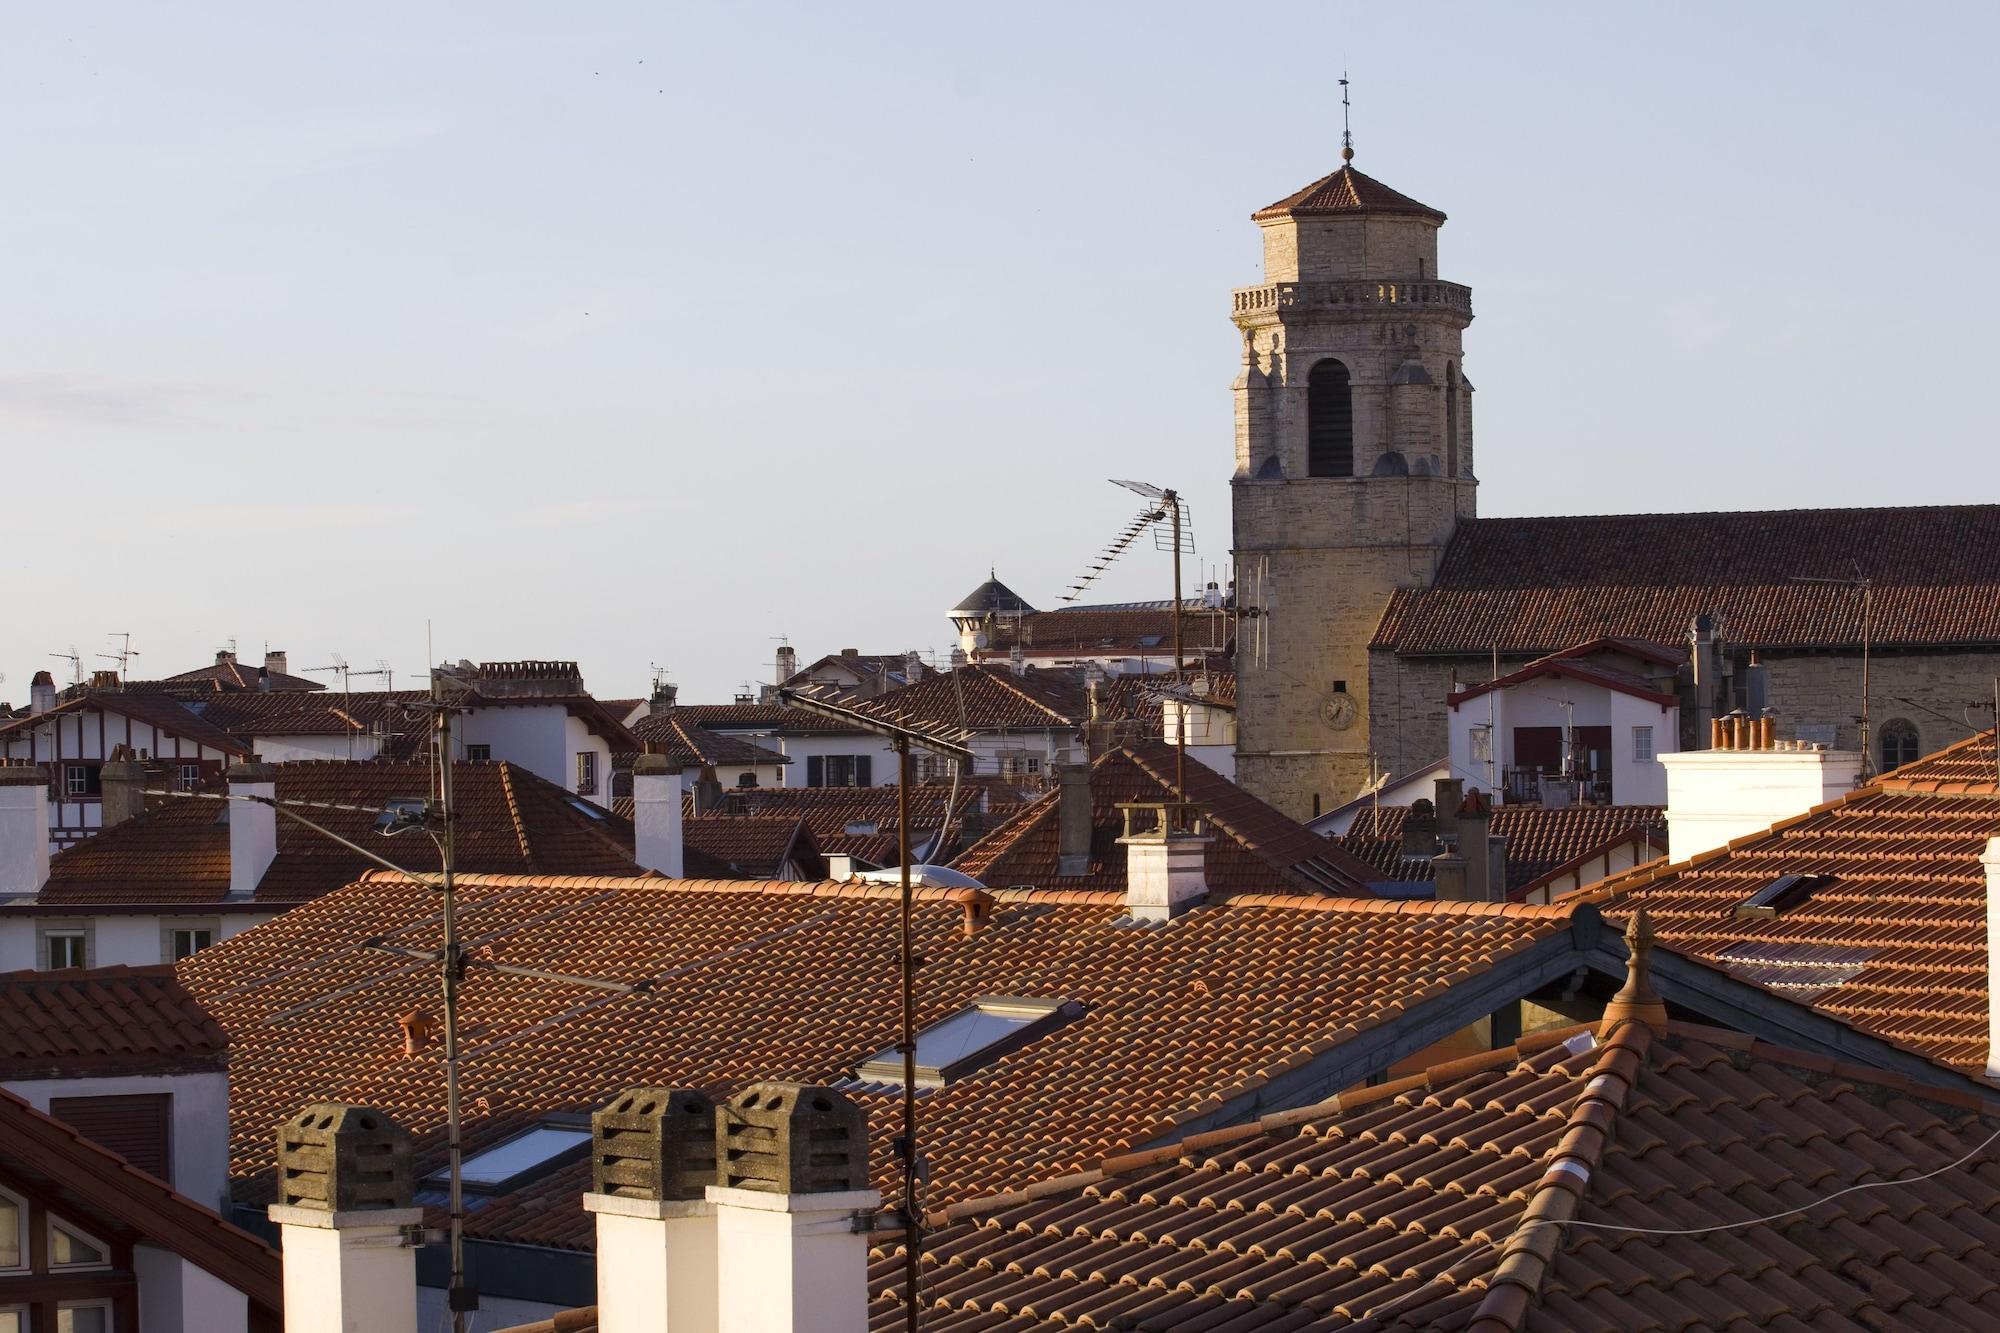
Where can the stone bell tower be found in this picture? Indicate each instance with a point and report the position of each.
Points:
(1353, 467)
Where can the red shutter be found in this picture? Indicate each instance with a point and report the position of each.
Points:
(135, 1127)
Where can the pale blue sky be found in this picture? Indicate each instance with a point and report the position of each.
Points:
(623, 332)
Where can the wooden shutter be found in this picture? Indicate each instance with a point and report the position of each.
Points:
(136, 1127)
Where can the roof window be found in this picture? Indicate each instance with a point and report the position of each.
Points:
(970, 1039)
(513, 1162)
(583, 807)
(1780, 895)
(862, 828)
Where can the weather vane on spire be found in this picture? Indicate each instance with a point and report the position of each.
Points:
(1346, 132)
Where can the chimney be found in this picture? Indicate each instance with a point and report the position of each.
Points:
(277, 663)
(1716, 796)
(346, 1222)
(791, 1201)
(1420, 829)
(958, 658)
(913, 667)
(1991, 862)
(124, 780)
(1073, 819)
(656, 814)
(652, 1161)
(1701, 659)
(104, 680)
(41, 694)
(664, 696)
(1449, 794)
(788, 662)
(1474, 819)
(24, 830)
(1166, 860)
(707, 791)
(1017, 661)
(253, 826)
(1448, 868)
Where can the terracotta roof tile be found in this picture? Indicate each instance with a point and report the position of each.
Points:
(1540, 840)
(687, 744)
(758, 717)
(1345, 191)
(1103, 631)
(122, 1020)
(1542, 584)
(1402, 1207)
(981, 698)
(156, 710)
(752, 847)
(1256, 848)
(798, 981)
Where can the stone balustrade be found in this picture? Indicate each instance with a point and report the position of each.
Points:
(1419, 293)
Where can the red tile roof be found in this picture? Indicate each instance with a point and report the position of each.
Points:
(1541, 584)
(754, 848)
(177, 853)
(1089, 631)
(759, 717)
(831, 812)
(230, 674)
(798, 981)
(1893, 937)
(984, 698)
(1345, 191)
(1256, 849)
(1540, 841)
(155, 710)
(106, 1020)
(687, 744)
(1405, 1206)
(120, 1202)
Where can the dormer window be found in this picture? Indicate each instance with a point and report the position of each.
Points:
(971, 1039)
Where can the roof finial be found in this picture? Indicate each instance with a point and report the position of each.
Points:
(1636, 1000)
(1346, 132)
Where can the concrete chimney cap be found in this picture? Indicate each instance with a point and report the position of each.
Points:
(791, 1138)
(654, 1143)
(340, 1158)
(23, 775)
(252, 771)
(653, 765)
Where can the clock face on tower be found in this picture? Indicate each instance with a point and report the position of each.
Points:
(1338, 710)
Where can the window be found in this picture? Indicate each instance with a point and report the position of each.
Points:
(83, 780)
(83, 1317)
(586, 772)
(1899, 743)
(70, 1248)
(185, 941)
(510, 1162)
(1642, 745)
(189, 776)
(13, 1223)
(13, 1319)
(1450, 419)
(840, 770)
(481, 754)
(970, 1039)
(66, 947)
(1329, 421)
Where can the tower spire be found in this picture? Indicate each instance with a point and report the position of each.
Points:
(1346, 131)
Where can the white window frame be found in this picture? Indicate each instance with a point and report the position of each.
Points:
(188, 776)
(586, 772)
(172, 926)
(50, 1222)
(76, 779)
(1643, 753)
(21, 1311)
(51, 930)
(27, 1250)
(479, 754)
(99, 1303)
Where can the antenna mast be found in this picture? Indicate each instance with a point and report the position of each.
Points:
(1346, 131)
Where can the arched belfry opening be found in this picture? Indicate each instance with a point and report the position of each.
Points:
(1329, 421)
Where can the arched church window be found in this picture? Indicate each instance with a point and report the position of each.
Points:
(1450, 419)
(1898, 741)
(1329, 421)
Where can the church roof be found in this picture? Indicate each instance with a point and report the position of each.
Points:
(1345, 191)
(1537, 585)
(992, 595)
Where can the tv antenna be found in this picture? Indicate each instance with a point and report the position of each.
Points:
(123, 657)
(75, 664)
(1865, 587)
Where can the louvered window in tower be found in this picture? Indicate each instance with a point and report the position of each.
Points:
(1329, 421)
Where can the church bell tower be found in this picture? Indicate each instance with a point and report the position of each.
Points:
(1353, 467)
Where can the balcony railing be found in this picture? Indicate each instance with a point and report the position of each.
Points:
(1419, 293)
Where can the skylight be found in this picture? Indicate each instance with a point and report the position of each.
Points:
(586, 808)
(1786, 891)
(517, 1160)
(970, 1039)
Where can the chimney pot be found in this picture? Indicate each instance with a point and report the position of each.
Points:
(791, 1138)
(978, 908)
(339, 1158)
(654, 1143)
(1450, 793)
(41, 694)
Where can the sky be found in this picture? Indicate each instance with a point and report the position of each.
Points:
(646, 334)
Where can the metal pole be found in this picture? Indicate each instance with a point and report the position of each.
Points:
(912, 1224)
(459, 1297)
(1187, 701)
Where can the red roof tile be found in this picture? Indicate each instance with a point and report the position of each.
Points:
(1540, 841)
(980, 698)
(798, 981)
(1256, 848)
(109, 1020)
(1541, 584)
(1345, 191)
(754, 848)
(155, 710)
(758, 717)
(687, 744)
(1091, 631)
(177, 853)
(1403, 1207)
(229, 674)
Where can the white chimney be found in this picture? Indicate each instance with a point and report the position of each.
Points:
(788, 662)
(345, 1221)
(24, 830)
(277, 663)
(1717, 796)
(1166, 860)
(656, 815)
(1073, 823)
(41, 694)
(790, 1212)
(1991, 861)
(253, 826)
(652, 1161)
